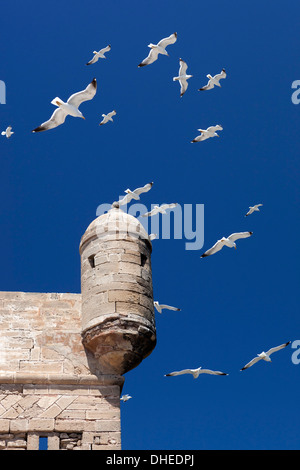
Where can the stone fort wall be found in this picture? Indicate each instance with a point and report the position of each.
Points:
(50, 386)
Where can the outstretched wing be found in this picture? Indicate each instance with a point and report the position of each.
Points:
(143, 189)
(168, 206)
(183, 67)
(149, 214)
(125, 200)
(214, 249)
(112, 113)
(251, 363)
(183, 86)
(221, 75)
(57, 118)
(203, 136)
(152, 57)
(214, 128)
(93, 60)
(212, 372)
(105, 49)
(166, 41)
(236, 236)
(104, 120)
(180, 372)
(277, 348)
(168, 307)
(250, 211)
(209, 86)
(77, 98)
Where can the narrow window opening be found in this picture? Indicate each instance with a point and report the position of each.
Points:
(92, 261)
(43, 443)
(143, 259)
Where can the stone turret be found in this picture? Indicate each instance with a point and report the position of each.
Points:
(118, 324)
(62, 356)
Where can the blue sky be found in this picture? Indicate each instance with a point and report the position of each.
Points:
(234, 304)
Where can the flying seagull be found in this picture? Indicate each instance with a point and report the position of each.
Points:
(159, 48)
(265, 355)
(207, 133)
(195, 372)
(132, 195)
(152, 236)
(229, 241)
(100, 54)
(125, 397)
(8, 132)
(159, 307)
(70, 107)
(107, 117)
(253, 208)
(214, 81)
(162, 209)
(182, 77)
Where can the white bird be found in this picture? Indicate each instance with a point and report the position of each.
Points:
(195, 372)
(152, 236)
(159, 209)
(229, 241)
(125, 397)
(182, 77)
(70, 107)
(265, 355)
(8, 132)
(100, 54)
(214, 81)
(107, 117)
(132, 195)
(159, 307)
(207, 133)
(253, 208)
(159, 48)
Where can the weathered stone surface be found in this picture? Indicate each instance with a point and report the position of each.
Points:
(62, 356)
(117, 341)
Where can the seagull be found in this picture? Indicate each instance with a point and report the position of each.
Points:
(125, 397)
(159, 48)
(107, 117)
(152, 236)
(183, 77)
(252, 209)
(207, 133)
(229, 241)
(70, 107)
(99, 55)
(159, 307)
(8, 132)
(265, 355)
(132, 195)
(161, 209)
(214, 81)
(196, 372)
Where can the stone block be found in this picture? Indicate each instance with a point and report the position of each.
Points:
(19, 425)
(123, 296)
(65, 401)
(51, 412)
(107, 425)
(129, 268)
(70, 425)
(4, 425)
(40, 424)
